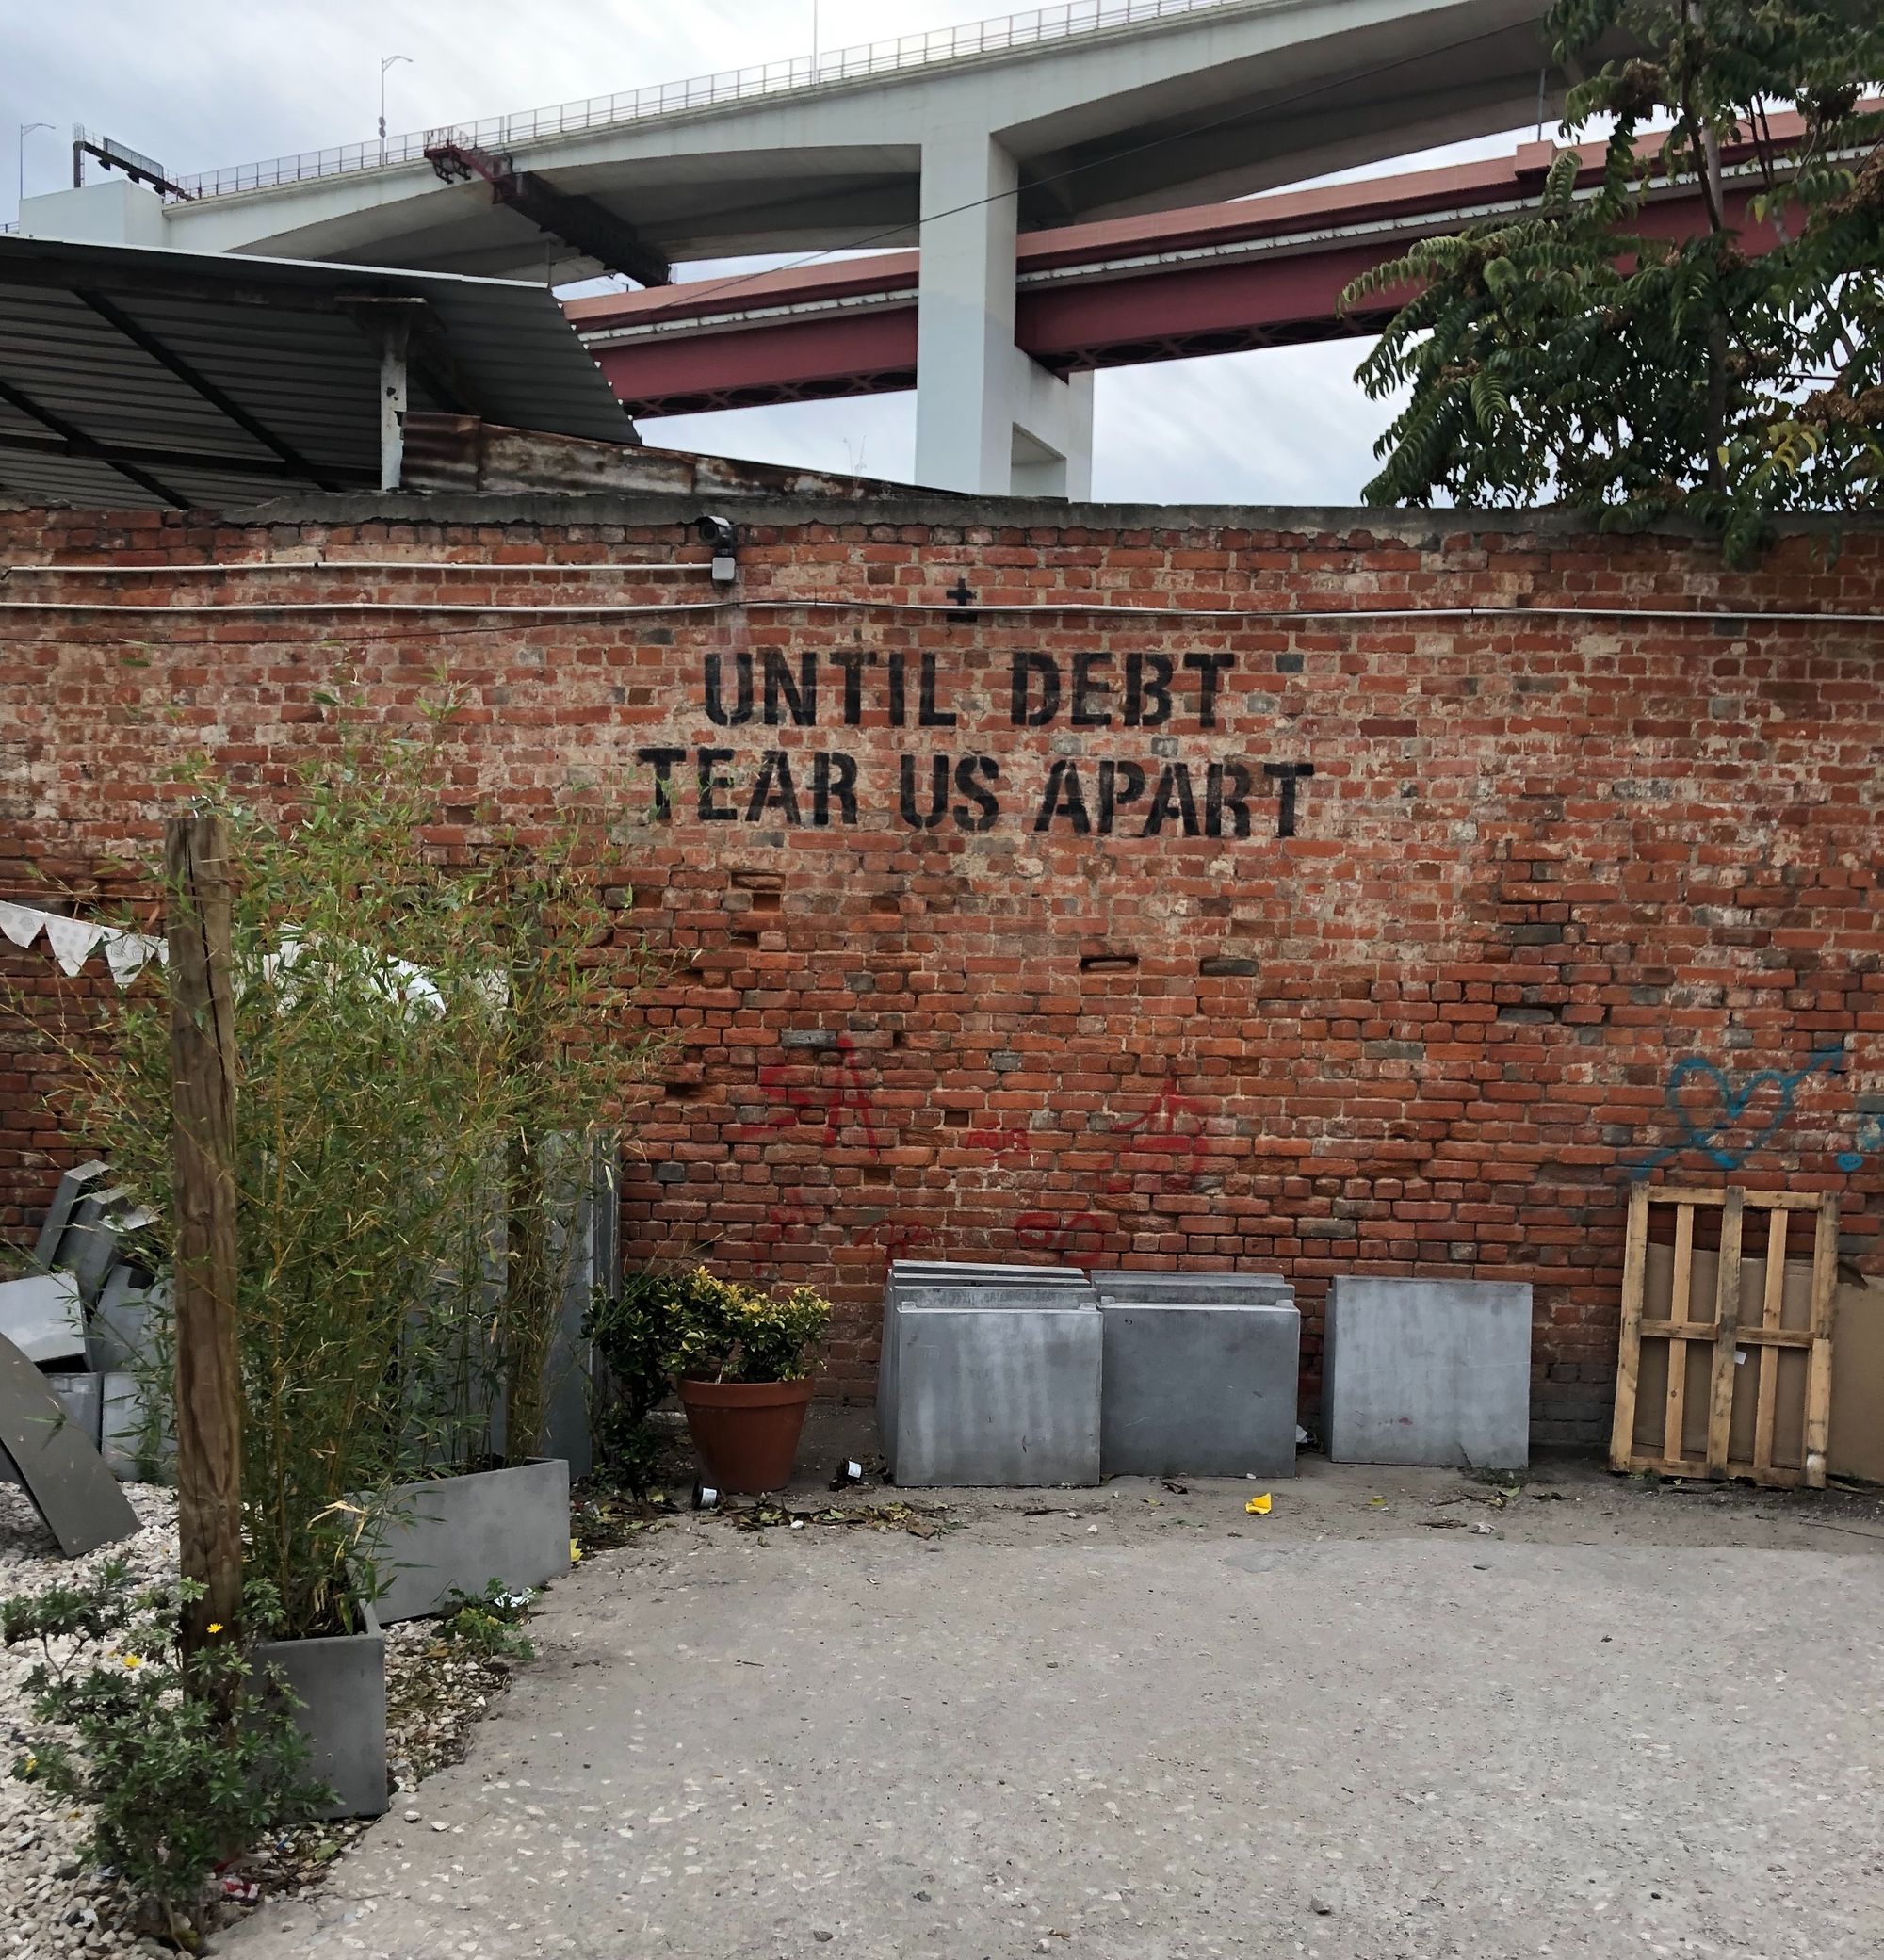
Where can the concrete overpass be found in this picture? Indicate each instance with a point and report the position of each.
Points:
(957, 142)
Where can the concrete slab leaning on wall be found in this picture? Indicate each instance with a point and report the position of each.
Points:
(1004, 1396)
(1428, 1372)
(1202, 1390)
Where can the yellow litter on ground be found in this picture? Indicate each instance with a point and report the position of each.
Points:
(1258, 1507)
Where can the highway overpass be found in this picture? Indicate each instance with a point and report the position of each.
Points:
(959, 143)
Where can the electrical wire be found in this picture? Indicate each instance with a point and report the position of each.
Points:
(483, 567)
(1348, 615)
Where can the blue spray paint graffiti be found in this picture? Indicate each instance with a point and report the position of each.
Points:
(1870, 1138)
(1705, 1124)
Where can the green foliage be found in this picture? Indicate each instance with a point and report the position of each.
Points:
(184, 1760)
(723, 1332)
(421, 996)
(693, 1325)
(363, 1133)
(489, 1622)
(1573, 354)
(634, 1334)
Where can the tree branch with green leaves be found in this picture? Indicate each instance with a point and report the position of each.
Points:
(1575, 355)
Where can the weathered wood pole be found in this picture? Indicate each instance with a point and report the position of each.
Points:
(202, 1144)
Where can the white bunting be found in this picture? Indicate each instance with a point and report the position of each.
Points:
(130, 952)
(71, 940)
(20, 925)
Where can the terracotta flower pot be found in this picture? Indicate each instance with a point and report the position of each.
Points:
(746, 1432)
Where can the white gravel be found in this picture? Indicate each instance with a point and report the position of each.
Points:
(50, 1902)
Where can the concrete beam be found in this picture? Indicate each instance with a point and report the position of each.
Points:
(1224, 101)
(989, 419)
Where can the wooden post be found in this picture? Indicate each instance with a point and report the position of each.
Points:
(1629, 1354)
(202, 1143)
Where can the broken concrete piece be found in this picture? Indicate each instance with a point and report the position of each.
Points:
(124, 1321)
(89, 1247)
(72, 1187)
(43, 1318)
(1428, 1372)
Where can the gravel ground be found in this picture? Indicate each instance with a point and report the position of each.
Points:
(50, 1904)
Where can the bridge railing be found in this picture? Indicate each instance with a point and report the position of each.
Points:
(501, 132)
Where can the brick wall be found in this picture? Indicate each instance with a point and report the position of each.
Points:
(997, 938)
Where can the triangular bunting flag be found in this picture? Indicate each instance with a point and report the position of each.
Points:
(19, 923)
(71, 940)
(128, 953)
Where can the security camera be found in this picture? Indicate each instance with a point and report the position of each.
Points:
(721, 534)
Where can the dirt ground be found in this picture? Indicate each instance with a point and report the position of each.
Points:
(1405, 1714)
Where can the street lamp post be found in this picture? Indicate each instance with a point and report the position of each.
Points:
(25, 130)
(386, 61)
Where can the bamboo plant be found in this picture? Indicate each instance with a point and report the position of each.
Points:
(407, 1019)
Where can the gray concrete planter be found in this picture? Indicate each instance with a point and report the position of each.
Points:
(463, 1531)
(340, 1681)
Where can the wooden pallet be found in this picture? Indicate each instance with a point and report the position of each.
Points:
(1724, 1331)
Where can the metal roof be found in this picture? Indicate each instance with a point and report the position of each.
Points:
(137, 378)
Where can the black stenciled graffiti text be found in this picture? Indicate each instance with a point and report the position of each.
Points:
(1151, 793)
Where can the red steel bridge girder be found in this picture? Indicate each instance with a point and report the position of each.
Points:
(1256, 272)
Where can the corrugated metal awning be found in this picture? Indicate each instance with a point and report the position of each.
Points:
(136, 378)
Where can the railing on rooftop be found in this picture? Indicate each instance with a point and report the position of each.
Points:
(501, 132)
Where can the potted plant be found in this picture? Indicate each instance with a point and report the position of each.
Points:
(741, 1360)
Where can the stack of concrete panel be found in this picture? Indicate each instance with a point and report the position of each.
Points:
(44, 1318)
(74, 1186)
(1200, 1373)
(1191, 1288)
(990, 1375)
(1428, 1372)
(135, 1434)
(88, 1228)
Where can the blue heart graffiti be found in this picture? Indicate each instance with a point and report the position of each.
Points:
(1731, 1101)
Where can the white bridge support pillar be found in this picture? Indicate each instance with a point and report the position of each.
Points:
(989, 419)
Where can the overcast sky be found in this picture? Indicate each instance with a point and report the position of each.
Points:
(220, 81)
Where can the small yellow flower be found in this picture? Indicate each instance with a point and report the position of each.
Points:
(216, 1625)
(575, 1553)
(132, 1661)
